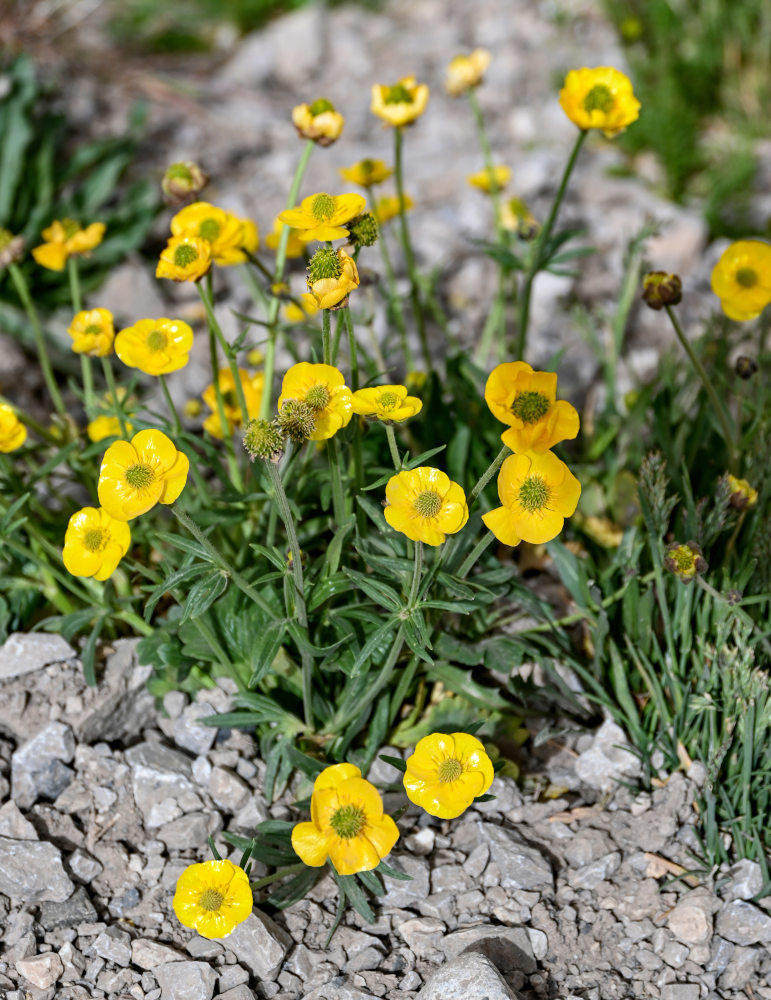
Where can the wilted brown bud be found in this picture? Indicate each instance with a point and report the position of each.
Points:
(745, 367)
(661, 289)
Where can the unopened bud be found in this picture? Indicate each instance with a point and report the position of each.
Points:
(11, 248)
(264, 439)
(192, 408)
(661, 289)
(183, 182)
(745, 367)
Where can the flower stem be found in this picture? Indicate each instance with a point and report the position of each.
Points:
(394, 302)
(539, 243)
(487, 475)
(484, 142)
(475, 553)
(409, 255)
(110, 379)
(326, 343)
(338, 503)
(208, 303)
(395, 457)
(354, 358)
(289, 870)
(22, 289)
(278, 274)
(710, 389)
(417, 571)
(172, 408)
(72, 271)
(87, 371)
(233, 467)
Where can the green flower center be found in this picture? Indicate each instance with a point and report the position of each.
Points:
(230, 399)
(140, 476)
(428, 503)
(388, 401)
(348, 821)
(398, 94)
(185, 255)
(211, 900)
(367, 167)
(94, 539)
(320, 106)
(318, 396)
(684, 559)
(325, 263)
(530, 406)
(70, 227)
(322, 207)
(179, 172)
(450, 770)
(93, 328)
(209, 229)
(534, 494)
(599, 98)
(746, 277)
(156, 340)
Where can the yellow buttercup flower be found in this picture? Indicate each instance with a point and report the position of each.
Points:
(481, 179)
(294, 246)
(387, 207)
(65, 238)
(685, 561)
(741, 279)
(13, 433)
(446, 773)
(389, 403)
(95, 543)
(742, 493)
(517, 217)
(323, 388)
(137, 474)
(92, 332)
(250, 238)
(105, 426)
(332, 275)
(252, 384)
(185, 258)
(222, 230)
(366, 173)
(599, 98)
(318, 121)
(348, 826)
(526, 400)
(213, 898)
(464, 72)
(538, 492)
(400, 104)
(321, 216)
(298, 312)
(425, 505)
(155, 346)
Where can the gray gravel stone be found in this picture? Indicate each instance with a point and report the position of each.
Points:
(520, 865)
(41, 970)
(508, 948)
(240, 992)
(14, 825)
(149, 954)
(744, 923)
(228, 790)
(83, 866)
(745, 881)
(186, 981)
(607, 760)
(114, 945)
(39, 767)
(408, 894)
(691, 920)
(468, 977)
(72, 912)
(589, 876)
(680, 991)
(23, 653)
(33, 871)
(259, 944)
(192, 735)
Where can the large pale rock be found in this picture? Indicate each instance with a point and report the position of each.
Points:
(149, 954)
(521, 866)
(259, 944)
(468, 977)
(14, 825)
(33, 871)
(186, 980)
(22, 653)
(508, 948)
(39, 767)
(607, 760)
(41, 970)
(691, 920)
(744, 923)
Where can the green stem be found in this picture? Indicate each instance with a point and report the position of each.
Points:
(281, 873)
(475, 553)
(116, 403)
(391, 437)
(409, 255)
(539, 243)
(710, 389)
(484, 142)
(326, 343)
(138, 624)
(87, 371)
(417, 571)
(22, 289)
(72, 271)
(337, 337)
(172, 408)
(278, 274)
(488, 474)
(354, 359)
(394, 302)
(230, 454)
(338, 503)
(495, 323)
(208, 303)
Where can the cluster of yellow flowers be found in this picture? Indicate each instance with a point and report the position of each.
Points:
(202, 235)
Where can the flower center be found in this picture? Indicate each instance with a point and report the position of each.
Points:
(367, 167)
(209, 229)
(398, 94)
(317, 396)
(230, 399)
(156, 340)
(325, 263)
(211, 900)
(185, 255)
(599, 98)
(70, 227)
(530, 406)
(388, 401)
(534, 494)
(93, 328)
(747, 277)
(450, 770)
(320, 106)
(684, 559)
(348, 821)
(94, 539)
(322, 207)
(139, 476)
(428, 503)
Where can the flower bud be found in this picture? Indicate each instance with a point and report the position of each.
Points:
(661, 289)
(182, 182)
(318, 121)
(11, 248)
(741, 495)
(264, 439)
(192, 408)
(745, 367)
(685, 561)
(364, 230)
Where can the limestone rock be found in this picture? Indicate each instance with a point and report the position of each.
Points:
(607, 760)
(23, 653)
(508, 948)
(744, 924)
(38, 768)
(149, 954)
(520, 865)
(41, 970)
(33, 871)
(259, 944)
(186, 981)
(467, 977)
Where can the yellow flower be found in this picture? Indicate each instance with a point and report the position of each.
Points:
(599, 98)
(464, 72)
(603, 531)
(11, 248)
(307, 307)
(92, 332)
(13, 433)
(387, 208)
(223, 231)
(685, 561)
(348, 826)
(105, 426)
(389, 403)
(446, 773)
(538, 492)
(250, 240)
(517, 217)
(366, 173)
(526, 400)
(400, 104)
(481, 179)
(253, 388)
(294, 246)
(95, 543)
(185, 258)
(137, 474)
(318, 121)
(323, 388)
(155, 346)
(742, 494)
(213, 898)
(332, 275)
(425, 505)
(321, 216)
(64, 238)
(741, 279)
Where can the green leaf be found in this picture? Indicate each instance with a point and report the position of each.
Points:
(414, 639)
(386, 869)
(396, 762)
(203, 594)
(379, 592)
(461, 683)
